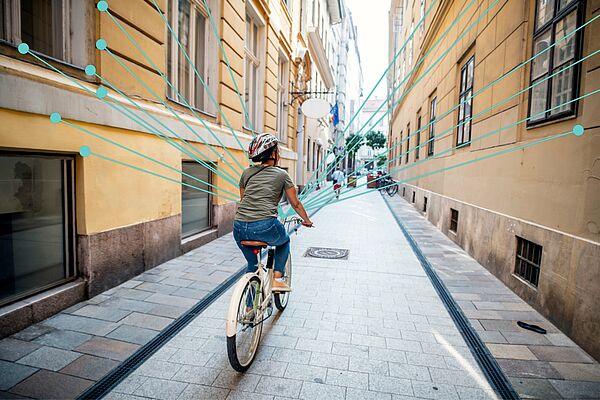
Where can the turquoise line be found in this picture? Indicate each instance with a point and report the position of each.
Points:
(154, 174)
(381, 78)
(131, 115)
(422, 59)
(449, 131)
(448, 168)
(208, 91)
(178, 94)
(91, 92)
(237, 89)
(487, 87)
(174, 113)
(143, 155)
(486, 135)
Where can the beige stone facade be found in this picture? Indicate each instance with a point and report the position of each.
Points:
(545, 195)
(121, 221)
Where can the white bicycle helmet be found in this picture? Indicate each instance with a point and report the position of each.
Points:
(261, 143)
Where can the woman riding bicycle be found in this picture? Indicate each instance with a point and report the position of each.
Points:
(261, 189)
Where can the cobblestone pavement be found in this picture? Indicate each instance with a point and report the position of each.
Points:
(370, 327)
(546, 366)
(65, 354)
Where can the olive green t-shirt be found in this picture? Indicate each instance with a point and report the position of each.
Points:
(262, 192)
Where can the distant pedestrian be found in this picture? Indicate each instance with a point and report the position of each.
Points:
(338, 179)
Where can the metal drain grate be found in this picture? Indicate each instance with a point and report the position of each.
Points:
(328, 253)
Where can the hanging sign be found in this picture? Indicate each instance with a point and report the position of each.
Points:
(315, 108)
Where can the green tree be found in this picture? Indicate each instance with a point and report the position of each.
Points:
(353, 143)
(375, 140)
(381, 160)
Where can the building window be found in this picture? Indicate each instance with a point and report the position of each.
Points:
(403, 192)
(418, 133)
(414, 196)
(253, 67)
(308, 154)
(407, 143)
(189, 18)
(422, 8)
(425, 204)
(432, 117)
(54, 28)
(36, 223)
(528, 260)
(465, 102)
(282, 100)
(453, 220)
(195, 204)
(555, 19)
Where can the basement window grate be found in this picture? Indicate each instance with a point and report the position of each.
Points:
(453, 220)
(528, 260)
(425, 204)
(414, 197)
(327, 253)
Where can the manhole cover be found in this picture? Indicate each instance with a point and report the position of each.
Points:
(325, 252)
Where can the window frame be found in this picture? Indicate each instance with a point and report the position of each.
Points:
(526, 272)
(12, 25)
(418, 135)
(68, 167)
(454, 220)
(432, 122)
(578, 7)
(282, 99)
(255, 112)
(463, 94)
(210, 70)
(407, 143)
(209, 226)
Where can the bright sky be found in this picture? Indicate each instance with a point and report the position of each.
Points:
(371, 20)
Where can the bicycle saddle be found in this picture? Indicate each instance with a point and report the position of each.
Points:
(254, 243)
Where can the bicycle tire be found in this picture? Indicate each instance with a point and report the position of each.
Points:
(282, 299)
(232, 351)
(392, 190)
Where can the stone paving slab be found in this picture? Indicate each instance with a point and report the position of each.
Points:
(370, 327)
(65, 354)
(549, 366)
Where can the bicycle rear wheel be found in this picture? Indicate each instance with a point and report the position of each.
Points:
(242, 347)
(392, 190)
(282, 298)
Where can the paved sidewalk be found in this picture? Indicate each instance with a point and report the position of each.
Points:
(547, 366)
(370, 327)
(65, 354)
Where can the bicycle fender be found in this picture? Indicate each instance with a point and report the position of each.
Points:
(238, 290)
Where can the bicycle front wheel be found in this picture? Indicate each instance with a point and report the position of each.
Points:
(392, 190)
(282, 298)
(242, 347)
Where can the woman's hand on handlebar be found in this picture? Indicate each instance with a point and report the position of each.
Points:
(308, 223)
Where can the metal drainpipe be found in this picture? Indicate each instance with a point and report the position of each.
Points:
(300, 150)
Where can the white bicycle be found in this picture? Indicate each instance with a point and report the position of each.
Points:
(252, 303)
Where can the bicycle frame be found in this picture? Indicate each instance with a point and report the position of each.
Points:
(265, 275)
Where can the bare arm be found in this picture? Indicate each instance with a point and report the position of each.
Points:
(292, 196)
(242, 190)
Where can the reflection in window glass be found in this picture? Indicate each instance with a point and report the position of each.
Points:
(562, 91)
(539, 96)
(199, 60)
(183, 67)
(33, 207)
(565, 49)
(563, 3)
(540, 63)
(41, 26)
(545, 11)
(195, 204)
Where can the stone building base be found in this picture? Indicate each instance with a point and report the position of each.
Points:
(569, 279)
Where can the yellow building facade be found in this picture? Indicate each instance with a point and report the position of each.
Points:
(506, 74)
(74, 226)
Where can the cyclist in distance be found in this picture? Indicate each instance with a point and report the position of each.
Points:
(261, 188)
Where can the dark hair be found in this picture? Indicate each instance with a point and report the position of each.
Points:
(265, 155)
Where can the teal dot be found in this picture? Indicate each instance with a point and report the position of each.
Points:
(23, 48)
(578, 130)
(55, 118)
(101, 92)
(85, 151)
(102, 6)
(90, 70)
(101, 44)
